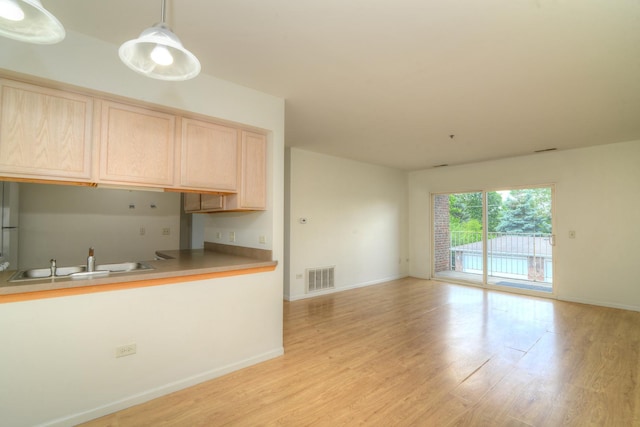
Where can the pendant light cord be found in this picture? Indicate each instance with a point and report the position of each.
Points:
(164, 11)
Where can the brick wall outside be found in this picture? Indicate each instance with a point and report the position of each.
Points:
(536, 268)
(441, 233)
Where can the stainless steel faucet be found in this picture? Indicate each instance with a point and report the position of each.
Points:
(91, 261)
(53, 267)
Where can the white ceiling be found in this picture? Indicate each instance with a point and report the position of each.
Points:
(387, 82)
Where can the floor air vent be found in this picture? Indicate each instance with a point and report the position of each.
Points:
(320, 278)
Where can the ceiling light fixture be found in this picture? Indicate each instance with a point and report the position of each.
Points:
(28, 21)
(159, 54)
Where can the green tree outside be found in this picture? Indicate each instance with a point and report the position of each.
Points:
(527, 211)
(465, 214)
(523, 211)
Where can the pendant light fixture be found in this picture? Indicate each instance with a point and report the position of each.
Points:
(29, 21)
(159, 54)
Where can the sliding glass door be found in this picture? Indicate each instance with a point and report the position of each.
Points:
(519, 245)
(495, 238)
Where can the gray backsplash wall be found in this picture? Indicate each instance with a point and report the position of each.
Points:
(62, 222)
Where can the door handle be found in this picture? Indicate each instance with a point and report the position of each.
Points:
(552, 240)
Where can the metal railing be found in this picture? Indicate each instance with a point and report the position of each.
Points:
(526, 256)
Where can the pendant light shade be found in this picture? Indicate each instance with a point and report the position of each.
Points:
(29, 21)
(159, 54)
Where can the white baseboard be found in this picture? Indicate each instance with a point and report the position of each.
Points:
(600, 303)
(163, 390)
(342, 288)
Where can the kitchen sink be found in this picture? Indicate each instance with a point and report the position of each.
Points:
(79, 271)
(123, 267)
(39, 273)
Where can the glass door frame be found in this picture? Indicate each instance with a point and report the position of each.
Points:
(485, 251)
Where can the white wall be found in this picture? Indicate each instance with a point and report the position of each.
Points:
(356, 221)
(62, 222)
(597, 195)
(61, 368)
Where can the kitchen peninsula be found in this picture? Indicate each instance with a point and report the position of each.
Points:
(126, 144)
(200, 327)
(172, 266)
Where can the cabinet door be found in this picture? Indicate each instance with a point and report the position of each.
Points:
(195, 202)
(209, 156)
(211, 202)
(136, 145)
(253, 174)
(44, 133)
(191, 202)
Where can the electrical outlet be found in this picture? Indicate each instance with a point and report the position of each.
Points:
(572, 234)
(218, 235)
(126, 350)
(262, 239)
(166, 231)
(142, 231)
(232, 236)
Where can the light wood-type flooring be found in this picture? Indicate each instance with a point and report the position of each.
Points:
(423, 353)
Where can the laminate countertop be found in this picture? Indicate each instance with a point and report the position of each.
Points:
(175, 266)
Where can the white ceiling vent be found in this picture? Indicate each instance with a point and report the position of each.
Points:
(319, 279)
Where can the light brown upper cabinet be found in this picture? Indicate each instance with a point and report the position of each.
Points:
(137, 145)
(252, 194)
(44, 133)
(51, 135)
(209, 158)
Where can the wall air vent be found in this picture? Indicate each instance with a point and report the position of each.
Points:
(319, 279)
